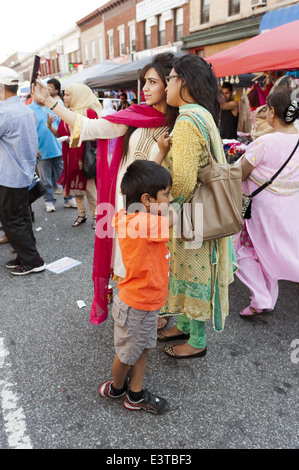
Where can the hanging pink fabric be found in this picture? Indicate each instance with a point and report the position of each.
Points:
(108, 159)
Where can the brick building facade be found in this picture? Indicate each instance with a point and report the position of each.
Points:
(216, 25)
(120, 34)
(126, 30)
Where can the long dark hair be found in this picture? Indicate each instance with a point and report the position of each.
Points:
(163, 64)
(197, 75)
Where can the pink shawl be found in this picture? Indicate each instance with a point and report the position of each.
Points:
(108, 159)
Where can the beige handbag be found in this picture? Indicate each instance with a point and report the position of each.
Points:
(216, 200)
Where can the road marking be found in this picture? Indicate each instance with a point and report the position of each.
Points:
(13, 414)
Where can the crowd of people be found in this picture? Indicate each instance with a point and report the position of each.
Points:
(148, 157)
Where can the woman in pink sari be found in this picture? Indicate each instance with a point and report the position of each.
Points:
(123, 137)
(267, 249)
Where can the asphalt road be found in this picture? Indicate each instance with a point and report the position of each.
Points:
(242, 395)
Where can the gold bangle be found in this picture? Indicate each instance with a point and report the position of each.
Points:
(54, 106)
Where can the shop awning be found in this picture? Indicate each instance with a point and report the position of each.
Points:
(280, 16)
(85, 74)
(123, 77)
(277, 49)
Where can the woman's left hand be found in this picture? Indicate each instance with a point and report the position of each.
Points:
(50, 120)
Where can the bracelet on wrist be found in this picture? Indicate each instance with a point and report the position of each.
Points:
(54, 106)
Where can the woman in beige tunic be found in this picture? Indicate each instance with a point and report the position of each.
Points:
(140, 141)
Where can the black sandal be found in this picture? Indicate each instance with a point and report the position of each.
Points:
(78, 221)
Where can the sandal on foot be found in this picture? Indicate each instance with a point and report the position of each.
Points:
(170, 352)
(94, 225)
(163, 338)
(80, 220)
(163, 318)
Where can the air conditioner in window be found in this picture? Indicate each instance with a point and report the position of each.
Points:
(258, 3)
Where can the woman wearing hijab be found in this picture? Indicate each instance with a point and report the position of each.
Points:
(107, 107)
(80, 99)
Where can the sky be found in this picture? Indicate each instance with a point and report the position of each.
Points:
(26, 25)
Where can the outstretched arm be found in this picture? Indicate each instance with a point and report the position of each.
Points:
(84, 128)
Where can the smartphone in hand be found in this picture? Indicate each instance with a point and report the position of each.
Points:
(35, 69)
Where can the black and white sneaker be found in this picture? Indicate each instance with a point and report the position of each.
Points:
(150, 403)
(23, 269)
(13, 263)
(106, 390)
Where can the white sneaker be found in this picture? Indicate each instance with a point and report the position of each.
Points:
(71, 203)
(58, 191)
(50, 207)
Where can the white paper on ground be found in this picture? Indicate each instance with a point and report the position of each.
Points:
(62, 265)
(81, 303)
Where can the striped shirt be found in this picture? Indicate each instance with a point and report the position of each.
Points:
(18, 144)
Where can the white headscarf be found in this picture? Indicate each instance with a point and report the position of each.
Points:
(83, 98)
(107, 107)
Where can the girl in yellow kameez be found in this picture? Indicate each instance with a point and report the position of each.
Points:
(199, 277)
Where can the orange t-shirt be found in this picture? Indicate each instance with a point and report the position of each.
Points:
(142, 239)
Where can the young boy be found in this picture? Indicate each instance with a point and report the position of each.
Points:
(142, 238)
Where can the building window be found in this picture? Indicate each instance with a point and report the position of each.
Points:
(111, 45)
(179, 21)
(93, 51)
(100, 44)
(234, 7)
(121, 42)
(205, 11)
(132, 38)
(161, 31)
(86, 53)
(147, 35)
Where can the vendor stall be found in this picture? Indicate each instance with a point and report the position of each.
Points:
(277, 49)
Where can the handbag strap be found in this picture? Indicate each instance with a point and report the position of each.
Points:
(193, 116)
(270, 181)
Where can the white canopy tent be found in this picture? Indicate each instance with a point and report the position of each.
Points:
(89, 73)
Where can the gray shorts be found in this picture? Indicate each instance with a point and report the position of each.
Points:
(134, 331)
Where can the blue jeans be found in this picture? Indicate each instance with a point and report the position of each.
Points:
(49, 169)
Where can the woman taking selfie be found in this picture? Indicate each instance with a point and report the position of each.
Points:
(125, 136)
(199, 278)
